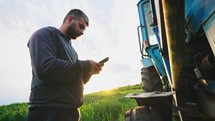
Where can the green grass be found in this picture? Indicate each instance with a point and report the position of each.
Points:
(14, 112)
(109, 105)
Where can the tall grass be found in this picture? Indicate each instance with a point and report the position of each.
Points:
(14, 112)
(101, 106)
(108, 105)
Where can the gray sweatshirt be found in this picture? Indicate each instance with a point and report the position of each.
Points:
(58, 76)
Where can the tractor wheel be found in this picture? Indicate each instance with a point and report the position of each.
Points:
(142, 113)
(151, 80)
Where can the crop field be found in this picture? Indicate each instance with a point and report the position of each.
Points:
(109, 105)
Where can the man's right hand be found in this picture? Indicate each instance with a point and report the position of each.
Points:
(95, 67)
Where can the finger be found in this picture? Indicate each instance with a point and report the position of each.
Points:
(102, 64)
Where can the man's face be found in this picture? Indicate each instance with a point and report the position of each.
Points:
(76, 28)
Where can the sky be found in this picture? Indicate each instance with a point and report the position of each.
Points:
(111, 33)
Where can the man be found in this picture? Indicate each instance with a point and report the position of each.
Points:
(58, 74)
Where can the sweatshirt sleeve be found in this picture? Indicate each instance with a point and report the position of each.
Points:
(45, 63)
(86, 75)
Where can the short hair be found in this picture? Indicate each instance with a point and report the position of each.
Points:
(78, 14)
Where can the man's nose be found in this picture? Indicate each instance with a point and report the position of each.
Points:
(81, 32)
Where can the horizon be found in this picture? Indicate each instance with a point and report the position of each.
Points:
(100, 91)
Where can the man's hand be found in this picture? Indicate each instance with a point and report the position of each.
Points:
(95, 67)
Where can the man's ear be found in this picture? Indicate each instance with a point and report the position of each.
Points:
(70, 18)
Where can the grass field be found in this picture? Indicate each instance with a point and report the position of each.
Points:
(107, 105)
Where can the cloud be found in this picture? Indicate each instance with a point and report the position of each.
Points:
(112, 33)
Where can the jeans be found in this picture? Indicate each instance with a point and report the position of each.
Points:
(53, 114)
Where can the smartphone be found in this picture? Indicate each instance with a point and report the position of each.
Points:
(104, 60)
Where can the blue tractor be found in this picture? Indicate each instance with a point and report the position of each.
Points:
(177, 46)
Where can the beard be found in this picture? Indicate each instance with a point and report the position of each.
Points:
(71, 33)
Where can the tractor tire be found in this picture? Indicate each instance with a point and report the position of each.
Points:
(142, 113)
(151, 80)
